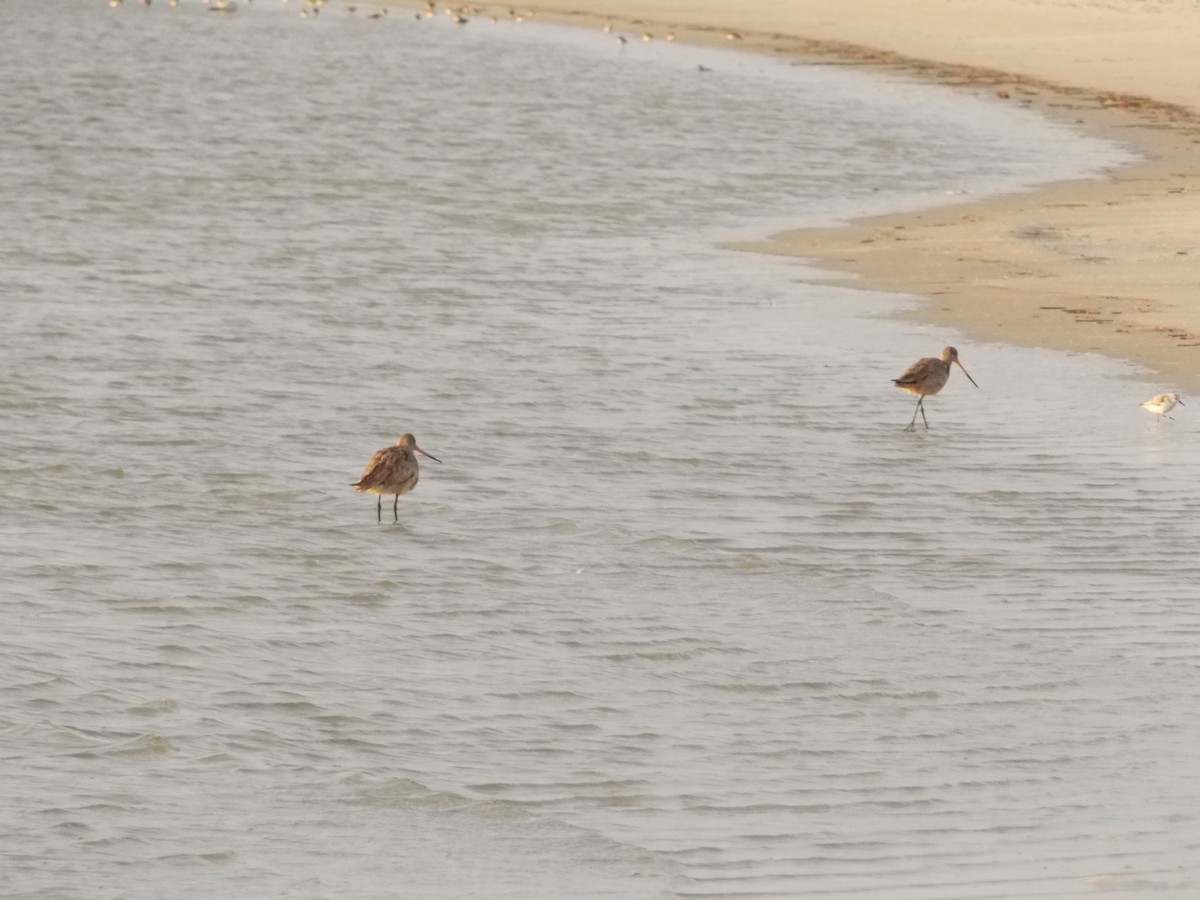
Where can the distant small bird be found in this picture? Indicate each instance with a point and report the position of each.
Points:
(621, 40)
(670, 35)
(703, 68)
(647, 36)
(926, 377)
(114, 3)
(1163, 404)
(733, 36)
(392, 470)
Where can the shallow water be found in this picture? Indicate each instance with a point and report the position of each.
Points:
(684, 612)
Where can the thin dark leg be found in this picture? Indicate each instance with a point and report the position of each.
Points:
(921, 407)
(396, 509)
(379, 509)
(912, 426)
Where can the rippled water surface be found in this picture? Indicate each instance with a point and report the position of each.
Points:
(683, 612)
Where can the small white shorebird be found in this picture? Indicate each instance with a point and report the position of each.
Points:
(392, 470)
(1163, 404)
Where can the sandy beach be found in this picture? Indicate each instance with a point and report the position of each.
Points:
(1105, 265)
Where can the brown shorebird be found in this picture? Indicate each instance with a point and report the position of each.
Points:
(392, 470)
(926, 377)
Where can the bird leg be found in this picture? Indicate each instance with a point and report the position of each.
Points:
(379, 509)
(396, 509)
(912, 426)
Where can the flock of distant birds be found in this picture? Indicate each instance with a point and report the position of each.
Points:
(393, 471)
(459, 15)
(225, 6)
(312, 7)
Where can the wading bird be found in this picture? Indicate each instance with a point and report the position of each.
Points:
(1163, 404)
(925, 378)
(392, 470)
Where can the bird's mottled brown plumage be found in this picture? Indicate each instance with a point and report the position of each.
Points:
(926, 377)
(392, 470)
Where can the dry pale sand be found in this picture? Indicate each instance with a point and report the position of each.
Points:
(1109, 264)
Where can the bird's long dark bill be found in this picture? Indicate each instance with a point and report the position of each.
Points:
(965, 372)
(435, 459)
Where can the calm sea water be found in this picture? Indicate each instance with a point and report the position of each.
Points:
(683, 613)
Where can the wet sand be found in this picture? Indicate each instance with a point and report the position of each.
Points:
(1110, 264)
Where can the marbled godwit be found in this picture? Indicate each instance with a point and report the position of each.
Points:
(392, 470)
(1163, 404)
(926, 377)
